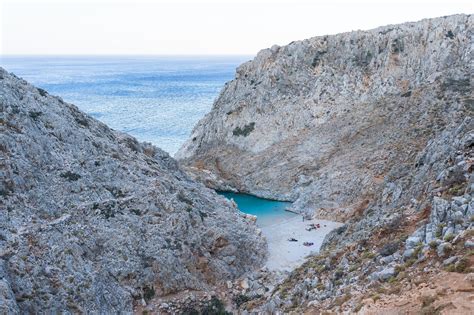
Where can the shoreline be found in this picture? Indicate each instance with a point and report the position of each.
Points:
(285, 255)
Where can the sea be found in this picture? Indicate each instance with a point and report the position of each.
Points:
(268, 212)
(158, 99)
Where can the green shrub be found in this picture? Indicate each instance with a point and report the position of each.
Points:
(410, 262)
(439, 230)
(358, 307)
(34, 114)
(241, 299)
(368, 255)
(399, 268)
(320, 286)
(392, 280)
(462, 266)
(215, 307)
(148, 293)
(245, 131)
(449, 237)
(457, 189)
(70, 176)
(418, 249)
(342, 299)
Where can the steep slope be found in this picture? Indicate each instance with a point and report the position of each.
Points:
(332, 121)
(93, 221)
(417, 259)
(373, 128)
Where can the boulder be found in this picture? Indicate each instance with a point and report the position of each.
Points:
(444, 249)
(383, 274)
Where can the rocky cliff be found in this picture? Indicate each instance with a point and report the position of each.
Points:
(333, 121)
(373, 128)
(91, 220)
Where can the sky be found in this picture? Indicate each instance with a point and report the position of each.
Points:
(186, 27)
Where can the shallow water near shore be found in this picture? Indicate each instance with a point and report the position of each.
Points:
(279, 226)
(268, 212)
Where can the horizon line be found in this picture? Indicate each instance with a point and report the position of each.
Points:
(127, 55)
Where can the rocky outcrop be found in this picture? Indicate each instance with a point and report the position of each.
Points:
(389, 254)
(93, 221)
(374, 128)
(337, 123)
(412, 248)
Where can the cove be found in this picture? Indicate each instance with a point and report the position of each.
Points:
(268, 212)
(279, 226)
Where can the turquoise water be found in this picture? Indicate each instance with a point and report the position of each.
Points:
(157, 99)
(268, 212)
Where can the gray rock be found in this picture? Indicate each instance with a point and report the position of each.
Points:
(460, 200)
(444, 249)
(450, 260)
(469, 244)
(326, 122)
(8, 303)
(383, 274)
(448, 231)
(318, 122)
(412, 241)
(439, 210)
(389, 248)
(408, 253)
(386, 260)
(96, 219)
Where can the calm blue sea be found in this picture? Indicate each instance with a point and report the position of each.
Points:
(268, 212)
(155, 99)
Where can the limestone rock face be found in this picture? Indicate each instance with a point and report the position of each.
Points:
(338, 123)
(91, 220)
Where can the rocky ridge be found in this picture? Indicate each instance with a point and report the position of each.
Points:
(333, 121)
(91, 220)
(372, 128)
(402, 255)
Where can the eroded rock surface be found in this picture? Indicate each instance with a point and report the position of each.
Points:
(373, 128)
(336, 123)
(91, 220)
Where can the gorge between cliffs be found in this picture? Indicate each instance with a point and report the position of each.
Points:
(368, 134)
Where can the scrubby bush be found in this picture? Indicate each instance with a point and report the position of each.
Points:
(245, 131)
(70, 176)
(449, 237)
(42, 92)
(241, 299)
(148, 293)
(215, 307)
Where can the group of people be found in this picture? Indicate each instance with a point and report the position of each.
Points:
(312, 226)
(305, 243)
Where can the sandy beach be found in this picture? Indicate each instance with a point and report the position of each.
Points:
(285, 255)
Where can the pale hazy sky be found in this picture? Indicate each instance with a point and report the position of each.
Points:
(194, 27)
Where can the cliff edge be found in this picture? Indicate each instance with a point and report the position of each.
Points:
(91, 220)
(371, 128)
(333, 121)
